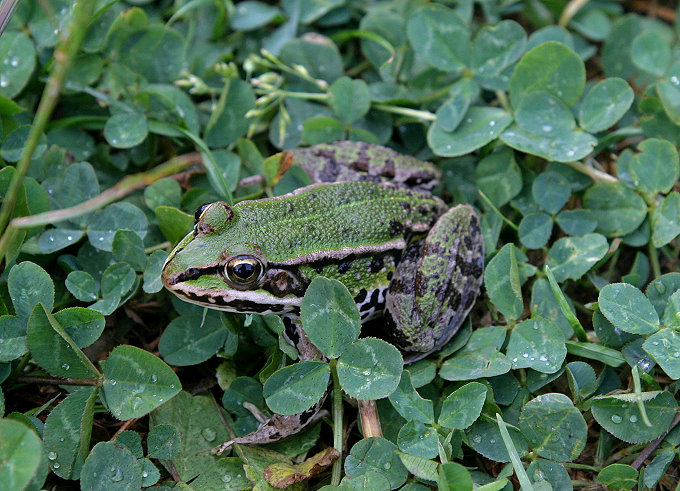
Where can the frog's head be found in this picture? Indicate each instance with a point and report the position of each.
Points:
(220, 265)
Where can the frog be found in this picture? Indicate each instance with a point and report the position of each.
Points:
(369, 220)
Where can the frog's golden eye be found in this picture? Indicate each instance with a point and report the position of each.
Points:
(244, 270)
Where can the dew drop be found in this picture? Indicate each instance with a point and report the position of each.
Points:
(145, 474)
(477, 439)
(56, 465)
(117, 476)
(387, 465)
(675, 80)
(525, 355)
(492, 123)
(154, 378)
(51, 238)
(633, 419)
(172, 386)
(543, 358)
(570, 153)
(616, 418)
(492, 441)
(208, 433)
(676, 354)
(14, 62)
(3, 81)
(65, 366)
(69, 237)
(546, 128)
(52, 455)
(226, 478)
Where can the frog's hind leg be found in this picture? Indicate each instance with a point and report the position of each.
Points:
(435, 284)
(280, 426)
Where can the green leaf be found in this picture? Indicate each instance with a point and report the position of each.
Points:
(415, 438)
(628, 309)
(67, 433)
(656, 168)
(192, 339)
(29, 285)
(553, 472)
(669, 94)
(174, 223)
(480, 126)
(572, 257)
(53, 349)
(330, 316)
(14, 144)
(110, 467)
(17, 55)
(164, 192)
(451, 112)
(117, 279)
(201, 426)
(551, 191)
(156, 52)
(552, 67)
(564, 147)
(152, 273)
(12, 337)
(619, 415)
(376, 454)
(535, 230)
(118, 216)
(544, 114)
(408, 403)
(20, 454)
(229, 122)
(497, 47)
(56, 239)
(252, 15)
(322, 129)
(554, 428)
(318, 54)
(82, 286)
(605, 104)
(454, 477)
(479, 358)
(651, 52)
(126, 130)
(576, 222)
(618, 209)
(618, 476)
(499, 177)
(666, 220)
(501, 280)
(163, 442)
(537, 343)
(129, 248)
(418, 466)
(132, 441)
(137, 382)
(370, 369)
(296, 388)
(349, 99)
(664, 347)
(84, 326)
(440, 36)
(485, 438)
(463, 406)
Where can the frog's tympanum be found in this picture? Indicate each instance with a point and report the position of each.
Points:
(370, 222)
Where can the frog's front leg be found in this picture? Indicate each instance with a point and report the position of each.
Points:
(279, 426)
(435, 284)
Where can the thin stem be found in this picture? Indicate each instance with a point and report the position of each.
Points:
(654, 259)
(90, 382)
(337, 423)
(406, 111)
(570, 11)
(64, 53)
(594, 174)
(124, 187)
(493, 207)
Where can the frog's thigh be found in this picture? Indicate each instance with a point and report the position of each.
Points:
(436, 283)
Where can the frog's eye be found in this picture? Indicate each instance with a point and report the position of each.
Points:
(199, 211)
(244, 270)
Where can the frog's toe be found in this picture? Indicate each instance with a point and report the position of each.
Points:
(436, 283)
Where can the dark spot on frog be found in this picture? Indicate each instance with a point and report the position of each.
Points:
(318, 268)
(344, 266)
(361, 296)
(406, 206)
(390, 275)
(388, 169)
(396, 227)
(373, 302)
(376, 264)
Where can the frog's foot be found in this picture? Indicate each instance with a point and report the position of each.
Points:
(277, 427)
(435, 284)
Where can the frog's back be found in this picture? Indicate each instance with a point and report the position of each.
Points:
(359, 161)
(333, 220)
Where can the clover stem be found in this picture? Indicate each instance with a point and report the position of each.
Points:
(337, 423)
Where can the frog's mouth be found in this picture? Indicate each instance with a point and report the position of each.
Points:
(249, 301)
